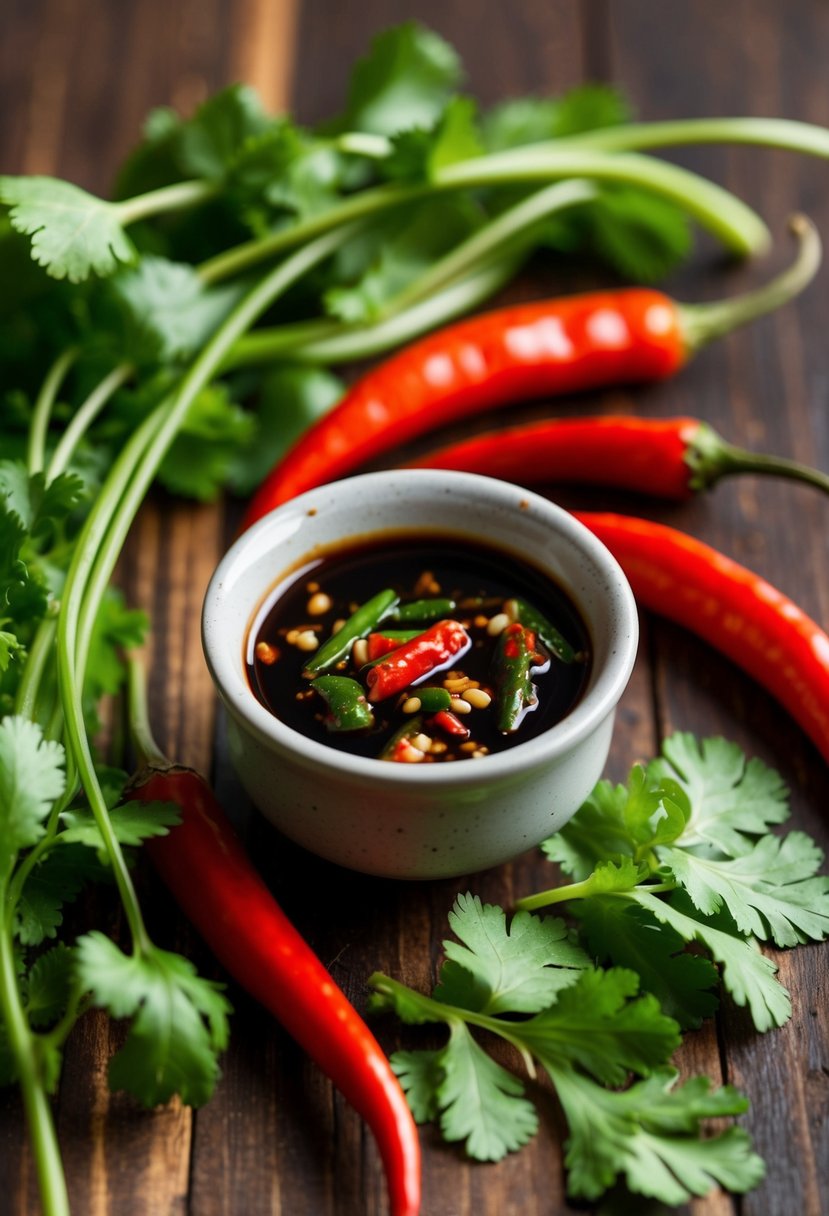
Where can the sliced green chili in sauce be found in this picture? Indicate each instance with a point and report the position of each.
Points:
(482, 650)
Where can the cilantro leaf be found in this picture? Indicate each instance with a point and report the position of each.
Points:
(116, 628)
(629, 936)
(132, 822)
(207, 447)
(74, 234)
(528, 120)
(10, 648)
(480, 1102)
(179, 1019)
(650, 1134)
(57, 879)
(773, 891)
(49, 984)
(420, 1074)
(161, 311)
(520, 969)
(32, 777)
(598, 1026)
(641, 236)
(746, 973)
(404, 81)
(730, 796)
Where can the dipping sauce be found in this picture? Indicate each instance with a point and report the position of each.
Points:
(418, 649)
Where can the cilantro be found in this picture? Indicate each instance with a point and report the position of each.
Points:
(179, 1023)
(49, 985)
(132, 822)
(593, 1031)
(686, 844)
(31, 778)
(404, 81)
(528, 120)
(73, 233)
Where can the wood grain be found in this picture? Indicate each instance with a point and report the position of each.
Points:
(76, 80)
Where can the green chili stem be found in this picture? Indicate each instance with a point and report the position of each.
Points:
(42, 412)
(148, 751)
(84, 416)
(710, 458)
(701, 323)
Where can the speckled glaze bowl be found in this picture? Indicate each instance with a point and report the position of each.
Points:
(419, 821)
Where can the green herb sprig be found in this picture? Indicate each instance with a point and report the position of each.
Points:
(681, 854)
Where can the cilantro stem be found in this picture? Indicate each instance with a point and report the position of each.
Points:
(23, 1045)
(42, 412)
(40, 651)
(84, 416)
(103, 534)
(556, 895)
(783, 133)
(449, 287)
(166, 198)
(323, 341)
(740, 228)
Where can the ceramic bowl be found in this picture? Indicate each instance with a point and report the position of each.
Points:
(419, 821)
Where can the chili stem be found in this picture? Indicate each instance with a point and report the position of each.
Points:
(701, 323)
(148, 752)
(42, 412)
(710, 458)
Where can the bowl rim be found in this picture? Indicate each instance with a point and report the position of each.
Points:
(220, 633)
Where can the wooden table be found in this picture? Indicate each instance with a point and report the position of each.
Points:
(75, 82)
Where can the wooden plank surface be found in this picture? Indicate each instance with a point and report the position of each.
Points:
(76, 79)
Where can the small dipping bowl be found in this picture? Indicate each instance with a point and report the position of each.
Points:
(429, 820)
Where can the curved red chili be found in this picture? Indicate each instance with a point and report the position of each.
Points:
(544, 348)
(222, 895)
(427, 652)
(668, 458)
(736, 611)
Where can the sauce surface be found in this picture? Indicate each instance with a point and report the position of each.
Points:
(480, 582)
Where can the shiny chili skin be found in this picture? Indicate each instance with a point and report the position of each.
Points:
(206, 869)
(429, 650)
(539, 349)
(736, 611)
(650, 456)
(667, 458)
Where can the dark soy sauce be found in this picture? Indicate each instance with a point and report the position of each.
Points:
(477, 577)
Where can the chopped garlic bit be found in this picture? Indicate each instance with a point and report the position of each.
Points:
(411, 705)
(421, 742)
(359, 652)
(460, 707)
(306, 639)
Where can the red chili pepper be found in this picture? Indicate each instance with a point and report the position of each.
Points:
(549, 347)
(450, 724)
(378, 644)
(736, 611)
(207, 870)
(670, 458)
(431, 649)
